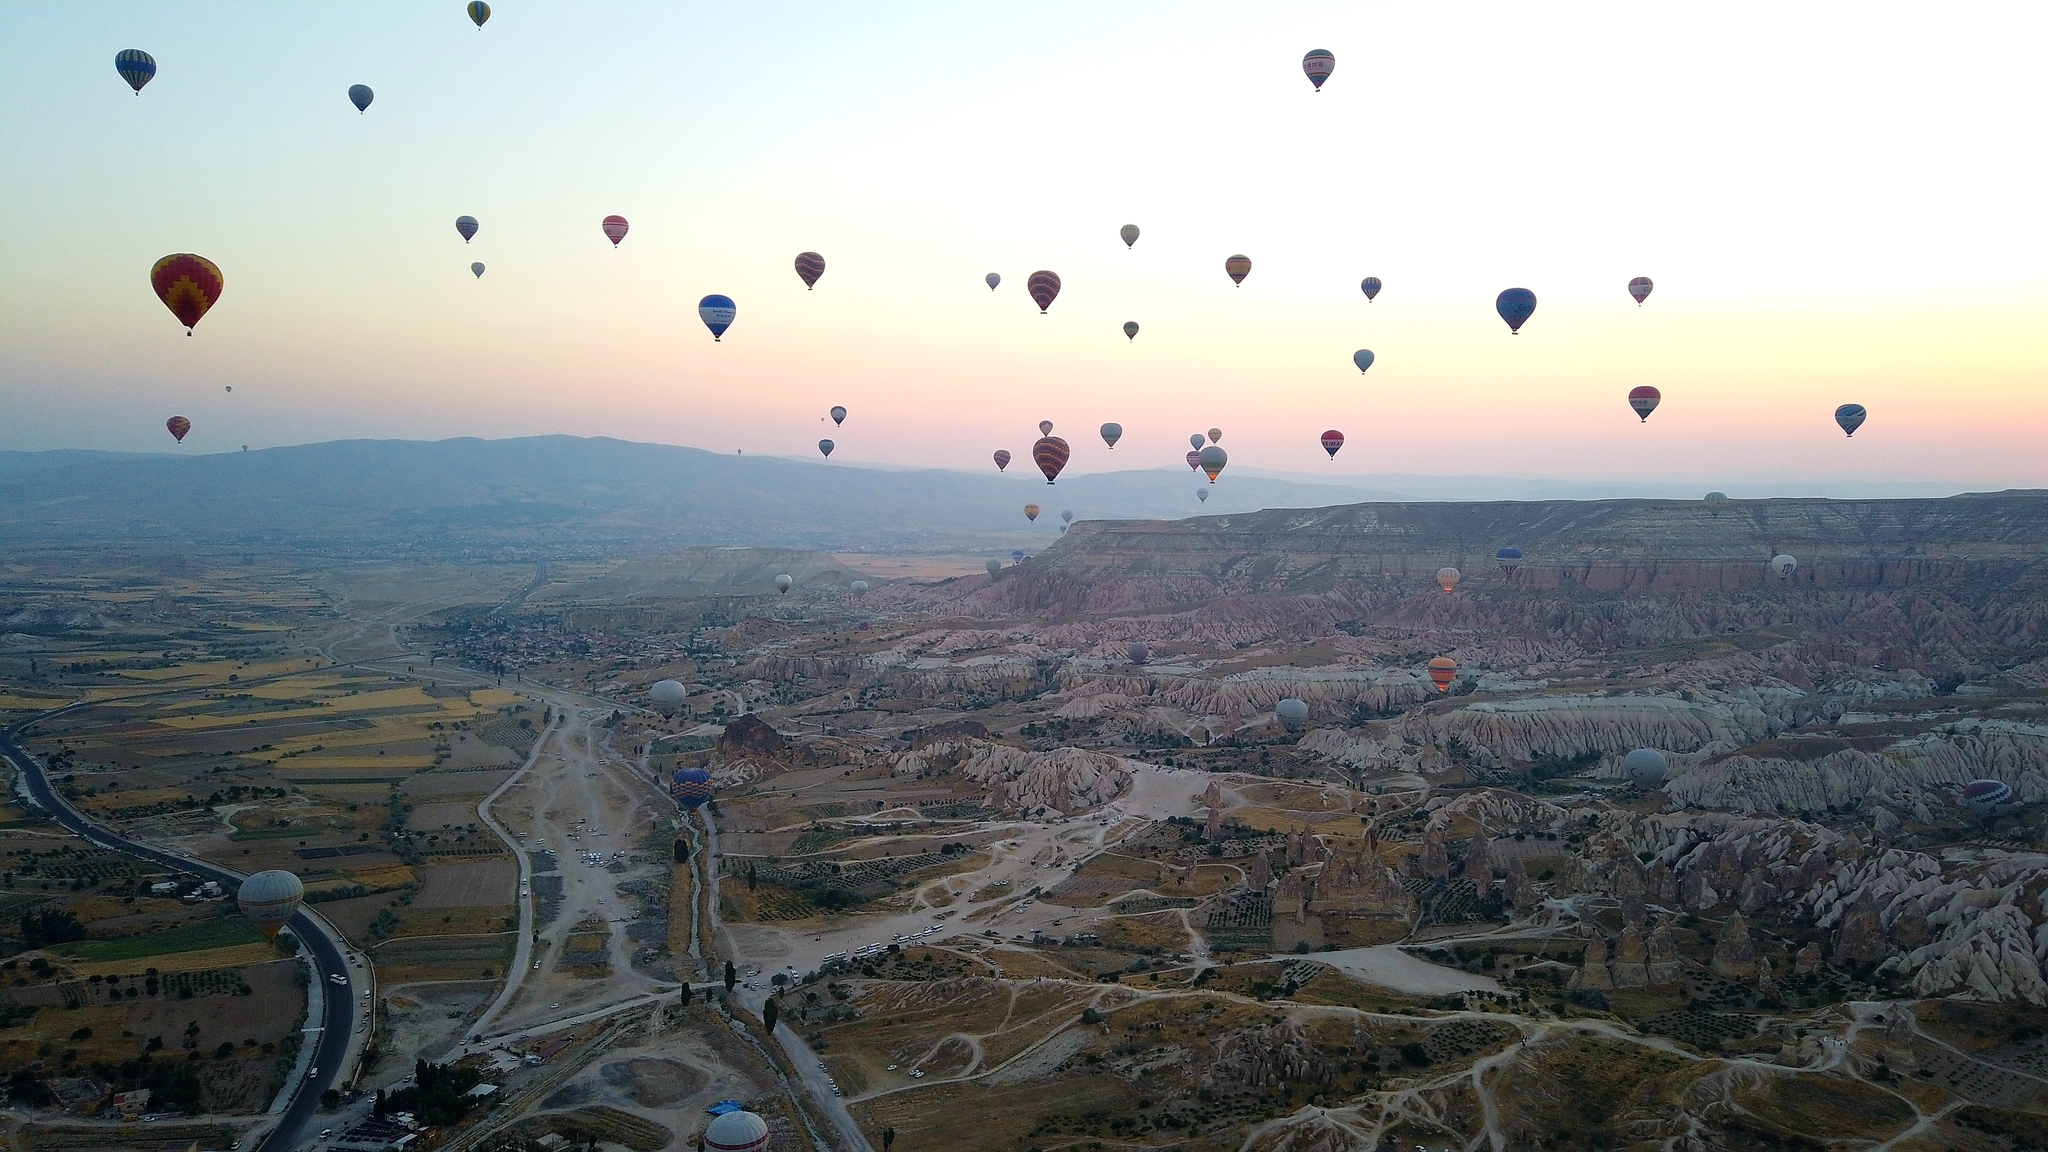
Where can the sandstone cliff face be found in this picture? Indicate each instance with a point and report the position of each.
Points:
(1063, 781)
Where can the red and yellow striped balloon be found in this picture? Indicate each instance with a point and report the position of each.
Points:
(1050, 454)
(188, 285)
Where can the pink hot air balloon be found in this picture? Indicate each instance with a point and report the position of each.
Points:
(1333, 440)
(1194, 461)
(1644, 400)
(615, 229)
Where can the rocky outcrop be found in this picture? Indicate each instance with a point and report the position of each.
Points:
(1631, 959)
(1735, 952)
(1063, 781)
(1860, 939)
(1357, 884)
(748, 737)
(1663, 965)
(1592, 971)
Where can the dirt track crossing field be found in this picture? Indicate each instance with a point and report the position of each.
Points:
(481, 884)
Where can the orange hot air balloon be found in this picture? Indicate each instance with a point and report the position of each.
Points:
(1031, 511)
(188, 285)
(178, 426)
(1443, 670)
(1050, 454)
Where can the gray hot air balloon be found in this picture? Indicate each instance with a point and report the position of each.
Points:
(783, 584)
(477, 268)
(668, 695)
(995, 566)
(1292, 713)
(1138, 651)
(838, 414)
(1202, 494)
(1715, 502)
(1130, 235)
(825, 447)
(269, 899)
(1196, 441)
(1066, 515)
(859, 587)
(1111, 433)
(992, 280)
(1646, 768)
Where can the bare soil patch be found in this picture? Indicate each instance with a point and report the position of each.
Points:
(479, 884)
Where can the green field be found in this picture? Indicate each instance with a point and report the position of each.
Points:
(222, 933)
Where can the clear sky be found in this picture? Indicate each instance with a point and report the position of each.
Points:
(1838, 202)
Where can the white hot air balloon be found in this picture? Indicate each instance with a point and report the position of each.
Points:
(1292, 713)
(859, 587)
(783, 584)
(668, 695)
(736, 1132)
(269, 899)
(1782, 566)
(1646, 768)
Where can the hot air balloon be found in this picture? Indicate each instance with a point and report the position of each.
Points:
(783, 584)
(1130, 329)
(809, 266)
(1031, 512)
(477, 268)
(1515, 306)
(1509, 559)
(1111, 433)
(1002, 458)
(136, 67)
(479, 12)
(838, 414)
(1985, 797)
(1194, 460)
(1212, 459)
(1292, 713)
(1050, 454)
(995, 566)
(1646, 768)
(1138, 651)
(269, 899)
(1017, 554)
(1332, 440)
(1195, 440)
(825, 447)
(1318, 65)
(1202, 494)
(1783, 566)
(1442, 670)
(692, 787)
(1044, 288)
(992, 279)
(1238, 267)
(1215, 435)
(1362, 358)
(615, 228)
(1045, 427)
(188, 285)
(1066, 515)
(717, 312)
(1448, 577)
(668, 695)
(736, 1132)
(1130, 234)
(466, 227)
(360, 96)
(230, 387)
(1370, 286)
(1850, 417)
(178, 426)
(1715, 502)
(1640, 289)
(1643, 398)
(859, 587)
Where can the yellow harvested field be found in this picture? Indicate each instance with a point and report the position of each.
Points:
(494, 698)
(362, 702)
(356, 763)
(382, 730)
(381, 876)
(234, 957)
(30, 703)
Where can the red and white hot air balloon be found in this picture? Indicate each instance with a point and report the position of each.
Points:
(1644, 400)
(1333, 440)
(615, 229)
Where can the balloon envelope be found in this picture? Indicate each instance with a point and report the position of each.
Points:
(1984, 797)
(615, 229)
(1448, 577)
(1196, 441)
(1442, 670)
(178, 426)
(1215, 435)
(995, 566)
(1045, 427)
(1111, 433)
(1370, 286)
(809, 266)
(1332, 440)
(1644, 400)
(1640, 289)
(360, 96)
(477, 268)
(1238, 267)
(1515, 306)
(188, 285)
(1212, 459)
(1138, 651)
(1850, 417)
(1050, 454)
(1318, 65)
(1130, 234)
(465, 226)
(1031, 512)
(825, 447)
(1509, 559)
(783, 584)
(1002, 459)
(692, 787)
(858, 586)
(992, 279)
(839, 414)
(1292, 713)
(1362, 358)
(135, 66)
(1646, 768)
(1783, 566)
(1202, 494)
(1130, 329)
(718, 313)
(1194, 460)
(1044, 288)
(479, 12)
(1017, 554)
(1715, 502)
(668, 695)
(269, 899)
(1067, 515)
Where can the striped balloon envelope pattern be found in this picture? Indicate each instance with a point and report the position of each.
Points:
(188, 285)
(1850, 417)
(1509, 559)
(479, 12)
(136, 67)
(1640, 289)
(177, 426)
(718, 313)
(1238, 267)
(1515, 306)
(1044, 288)
(1002, 459)
(615, 229)
(1050, 454)
(1370, 286)
(1333, 440)
(1644, 400)
(1318, 65)
(1030, 513)
(691, 787)
(809, 266)
(1194, 460)
(1442, 670)
(1985, 796)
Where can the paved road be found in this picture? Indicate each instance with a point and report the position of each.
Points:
(330, 1046)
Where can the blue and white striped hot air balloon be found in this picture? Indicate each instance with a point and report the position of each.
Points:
(718, 313)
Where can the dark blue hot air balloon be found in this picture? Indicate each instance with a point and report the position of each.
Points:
(692, 787)
(1515, 306)
(1509, 559)
(135, 66)
(360, 96)
(717, 312)
(1851, 417)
